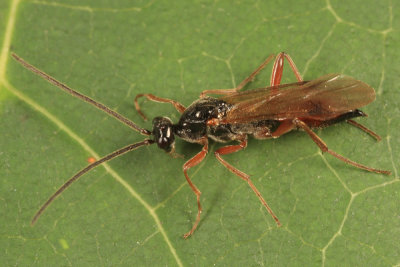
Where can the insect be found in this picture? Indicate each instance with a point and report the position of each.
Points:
(263, 113)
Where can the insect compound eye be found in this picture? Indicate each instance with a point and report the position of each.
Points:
(163, 133)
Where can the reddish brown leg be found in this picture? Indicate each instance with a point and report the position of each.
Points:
(242, 84)
(179, 107)
(365, 129)
(276, 75)
(277, 70)
(234, 148)
(321, 144)
(189, 164)
(284, 127)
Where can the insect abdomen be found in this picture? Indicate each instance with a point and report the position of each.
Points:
(235, 131)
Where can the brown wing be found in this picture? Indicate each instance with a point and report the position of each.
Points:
(321, 99)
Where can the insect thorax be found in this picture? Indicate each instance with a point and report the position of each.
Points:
(192, 125)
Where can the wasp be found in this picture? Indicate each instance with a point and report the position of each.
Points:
(262, 113)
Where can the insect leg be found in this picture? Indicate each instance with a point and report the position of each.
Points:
(234, 148)
(179, 107)
(189, 164)
(321, 144)
(365, 129)
(242, 84)
(284, 127)
(277, 70)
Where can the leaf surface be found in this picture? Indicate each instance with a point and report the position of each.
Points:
(136, 209)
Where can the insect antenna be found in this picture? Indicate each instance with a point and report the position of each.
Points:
(74, 178)
(81, 96)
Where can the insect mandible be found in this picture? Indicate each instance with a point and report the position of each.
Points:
(263, 113)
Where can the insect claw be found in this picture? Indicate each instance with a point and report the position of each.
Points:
(175, 155)
(142, 115)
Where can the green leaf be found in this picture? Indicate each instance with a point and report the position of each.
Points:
(135, 211)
